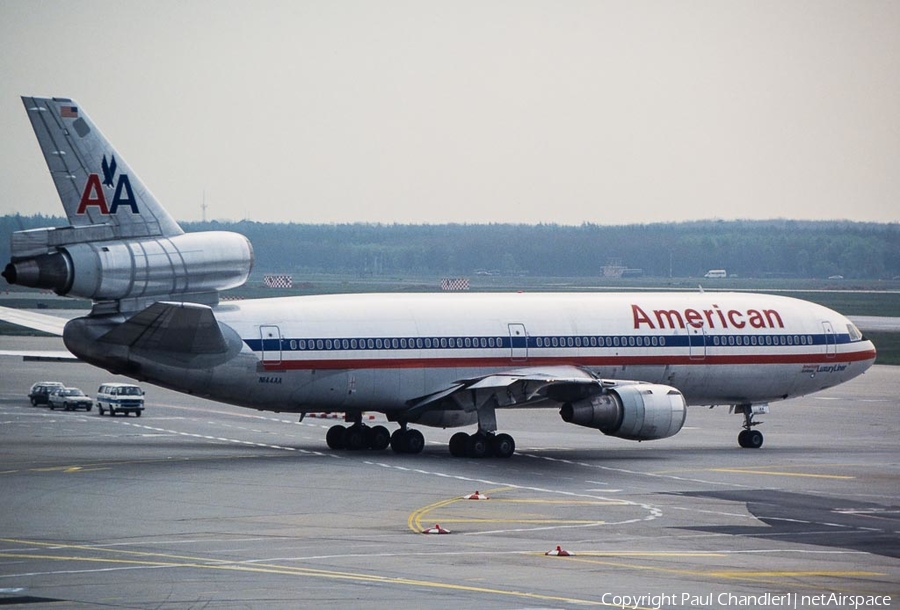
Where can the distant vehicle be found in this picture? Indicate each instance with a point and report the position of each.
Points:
(40, 392)
(70, 399)
(120, 398)
(715, 273)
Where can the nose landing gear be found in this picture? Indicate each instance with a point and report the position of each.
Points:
(748, 437)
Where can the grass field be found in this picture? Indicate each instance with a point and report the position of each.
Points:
(887, 345)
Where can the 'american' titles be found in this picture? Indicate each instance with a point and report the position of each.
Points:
(711, 318)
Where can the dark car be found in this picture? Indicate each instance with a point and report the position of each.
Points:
(40, 392)
(70, 399)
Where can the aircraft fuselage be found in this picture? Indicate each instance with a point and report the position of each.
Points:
(377, 352)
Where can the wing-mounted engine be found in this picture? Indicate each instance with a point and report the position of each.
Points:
(640, 411)
(79, 262)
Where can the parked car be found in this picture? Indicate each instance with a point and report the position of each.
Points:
(120, 398)
(70, 399)
(40, 392)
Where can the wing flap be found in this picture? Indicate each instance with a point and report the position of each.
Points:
(516, 388)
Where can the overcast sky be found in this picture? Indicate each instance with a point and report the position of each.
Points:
(471, 112)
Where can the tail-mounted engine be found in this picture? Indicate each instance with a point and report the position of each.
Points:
(637, 412)
(109, 270)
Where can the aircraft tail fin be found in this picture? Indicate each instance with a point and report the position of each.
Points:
(95, 183)
(121, 249)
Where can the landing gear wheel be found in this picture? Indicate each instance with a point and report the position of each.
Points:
(458, 443)
(503, 445)
(479, 446)
(335, 437)
(379, 438)
(407, 441)
(398, 440)
(415, 441)
(750, 439)
(355, 437)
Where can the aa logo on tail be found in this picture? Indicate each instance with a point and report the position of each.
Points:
(93, 195)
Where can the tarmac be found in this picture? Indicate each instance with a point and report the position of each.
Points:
(200, 504)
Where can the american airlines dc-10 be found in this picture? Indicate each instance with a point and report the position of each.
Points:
(625, 364)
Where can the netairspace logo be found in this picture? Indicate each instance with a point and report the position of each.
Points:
(732, 600)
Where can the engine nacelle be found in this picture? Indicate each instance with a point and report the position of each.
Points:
(638, 412)
(138, 268)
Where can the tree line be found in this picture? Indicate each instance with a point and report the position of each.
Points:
(773, 248)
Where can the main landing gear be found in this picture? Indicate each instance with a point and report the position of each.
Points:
(750, 438)
(482, 444)
(486, 442)
(359, 436)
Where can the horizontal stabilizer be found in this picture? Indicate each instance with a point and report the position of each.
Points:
(179, 328)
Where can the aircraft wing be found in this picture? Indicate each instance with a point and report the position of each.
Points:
(42, 356)
(37, 321)
(523, 387)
